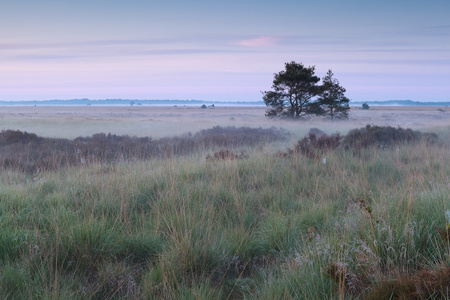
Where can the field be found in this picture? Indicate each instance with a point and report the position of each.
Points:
(222, 212)
(71, 122)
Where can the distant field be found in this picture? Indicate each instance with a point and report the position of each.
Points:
(71, 122)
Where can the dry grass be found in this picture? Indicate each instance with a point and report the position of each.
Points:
(263, 227)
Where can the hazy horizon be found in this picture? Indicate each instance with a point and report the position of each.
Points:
(194, 102)
(220, 51)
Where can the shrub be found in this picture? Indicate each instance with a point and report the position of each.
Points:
(365, 106)
(316, 131)
(313, 146)
(8, 137)
(384, 137)
(225, 155)
(29, 153)
(317, 142)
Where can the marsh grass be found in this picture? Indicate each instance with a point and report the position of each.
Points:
(264, 226)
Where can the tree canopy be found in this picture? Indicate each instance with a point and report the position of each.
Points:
(332, 99)
(293, 88)
(295, 93)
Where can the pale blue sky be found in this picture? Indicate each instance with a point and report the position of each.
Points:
(220, 50)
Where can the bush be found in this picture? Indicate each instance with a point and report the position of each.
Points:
(317, 142)
(8, 137)
(313, 146)
(225, 155)
(316, 131)
(29, 153)
(365, 106)
(384, 137)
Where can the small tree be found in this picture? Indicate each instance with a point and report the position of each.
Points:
(365, 106)
(332, 100)
(292, 92)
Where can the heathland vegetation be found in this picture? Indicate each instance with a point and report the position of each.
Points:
(226, 213)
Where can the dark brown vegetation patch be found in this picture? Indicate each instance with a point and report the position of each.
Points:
(313, 146)
(8, 137)
(422, 284)
(29, 153)
(316, 143)
(425, 284)
(384, 137)
(225, 155)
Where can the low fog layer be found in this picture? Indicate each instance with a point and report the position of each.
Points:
(71, 122)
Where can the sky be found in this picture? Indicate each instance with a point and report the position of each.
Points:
(221, 50)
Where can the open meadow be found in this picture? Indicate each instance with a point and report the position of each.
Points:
(223, 203)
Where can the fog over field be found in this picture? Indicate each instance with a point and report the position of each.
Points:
(154, 121)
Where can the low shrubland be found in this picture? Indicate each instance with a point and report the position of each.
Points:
(367, 224)
(27, 152)
(317, 142)
(384, 137)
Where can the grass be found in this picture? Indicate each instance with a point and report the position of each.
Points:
(364, 225)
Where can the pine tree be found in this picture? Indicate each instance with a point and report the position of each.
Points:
(332, 100)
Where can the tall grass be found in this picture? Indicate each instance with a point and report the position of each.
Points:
(263, 226)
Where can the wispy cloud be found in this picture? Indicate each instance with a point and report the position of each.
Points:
(107, 48)
(264, 41)
(48, 45)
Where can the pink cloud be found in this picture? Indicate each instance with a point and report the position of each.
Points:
(264, 41)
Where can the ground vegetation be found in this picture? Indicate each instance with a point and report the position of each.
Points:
(367, 224)
(27, 152)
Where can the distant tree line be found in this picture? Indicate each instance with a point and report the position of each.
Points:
(296, 93)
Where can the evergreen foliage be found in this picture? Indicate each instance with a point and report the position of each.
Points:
(292, 92)
(332, 99)
(295, 93)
